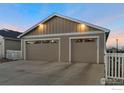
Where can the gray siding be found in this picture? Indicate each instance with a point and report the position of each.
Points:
(1, 47)
(65, 46)
(12, 44)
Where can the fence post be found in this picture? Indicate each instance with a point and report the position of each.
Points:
(119, 58)
(122, 67)
(105, 58)
(112, 67)
(109, 65)
(115, 65)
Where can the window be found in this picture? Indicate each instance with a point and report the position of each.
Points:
(42, 42)
(49, 41)
(29, 42)
(33, 42)
(89, 40)
(45, 41)
(53, 41)
(37, 42)
(84, 40)
(79, 40)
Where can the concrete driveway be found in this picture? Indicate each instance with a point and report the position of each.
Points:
(50, 73)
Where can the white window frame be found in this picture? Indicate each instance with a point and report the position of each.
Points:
(84, 37)
(41, 40)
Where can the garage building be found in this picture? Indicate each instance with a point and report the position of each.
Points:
(64, 39)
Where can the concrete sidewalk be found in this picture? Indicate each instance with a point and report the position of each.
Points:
(50, 73)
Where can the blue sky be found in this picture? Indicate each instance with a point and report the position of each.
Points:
(22, 16)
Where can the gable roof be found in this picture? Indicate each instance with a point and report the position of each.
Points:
(9, 33)
(65, 17)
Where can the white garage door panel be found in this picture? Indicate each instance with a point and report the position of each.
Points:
(84, 52)
(44, 52)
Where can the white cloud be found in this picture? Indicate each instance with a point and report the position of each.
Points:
(11, 27)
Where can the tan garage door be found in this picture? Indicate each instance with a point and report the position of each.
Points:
(84, 50)
(45, 50)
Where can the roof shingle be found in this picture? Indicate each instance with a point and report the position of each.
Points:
(9, 33)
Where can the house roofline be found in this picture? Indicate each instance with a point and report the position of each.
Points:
(65, 17)
(9, 38)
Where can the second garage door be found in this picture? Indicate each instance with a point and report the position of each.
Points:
(84, 50)
(44, 50)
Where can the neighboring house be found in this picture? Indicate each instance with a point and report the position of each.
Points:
(64, 39)
(8, 41)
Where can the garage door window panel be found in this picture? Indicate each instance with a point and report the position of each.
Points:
(33, 42)
(49, 41)
(84, 40)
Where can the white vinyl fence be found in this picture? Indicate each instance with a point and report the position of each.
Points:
(13, 54)
(114, 66)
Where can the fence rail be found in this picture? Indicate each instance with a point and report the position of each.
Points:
(13, 54)
(114, 66)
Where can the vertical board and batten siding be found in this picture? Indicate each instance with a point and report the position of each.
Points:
(59, 25)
